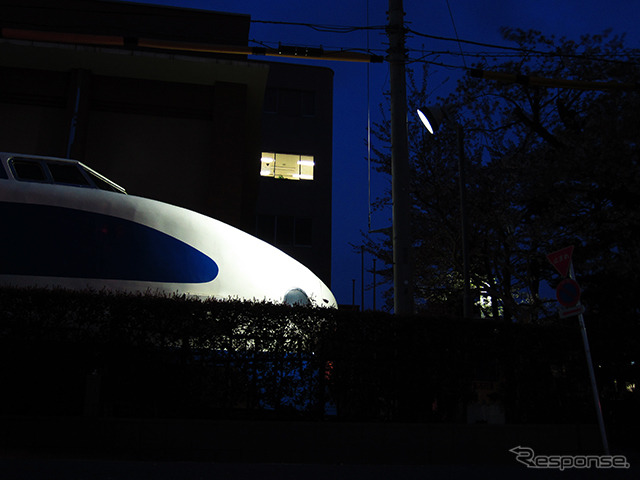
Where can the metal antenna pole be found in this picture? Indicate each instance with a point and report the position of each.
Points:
(464, 223)
(362, 276)
(400, 177)
(374, 284)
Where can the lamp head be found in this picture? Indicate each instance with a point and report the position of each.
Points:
(432, 117)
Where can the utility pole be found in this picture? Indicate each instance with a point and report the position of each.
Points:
(402, 271)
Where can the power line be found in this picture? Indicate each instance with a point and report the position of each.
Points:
(322, 28)
(424, 58)
(456, 32)
(344, 53)
(274, 45)
(622, 57)
(532, 52)
(552, 82)
(344, 29)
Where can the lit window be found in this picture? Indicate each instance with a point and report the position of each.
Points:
(284, 165)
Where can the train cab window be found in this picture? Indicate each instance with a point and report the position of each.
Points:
(67, 174)
(28, 170)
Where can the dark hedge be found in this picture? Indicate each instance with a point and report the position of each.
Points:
(99, 353)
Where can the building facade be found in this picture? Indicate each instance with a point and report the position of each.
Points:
(294, 199)
(97, 82)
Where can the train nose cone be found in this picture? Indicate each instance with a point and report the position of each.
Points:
(327, 299)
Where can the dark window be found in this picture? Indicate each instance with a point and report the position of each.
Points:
(271, 100)
(3, 173)
(266, 228)
(303, 232)
(151, 97)
(28, 170)
(289, 103)
(308, 104)
(68, 174)
(284, 230)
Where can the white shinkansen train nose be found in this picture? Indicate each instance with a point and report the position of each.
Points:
(100, 238)
(249, 268)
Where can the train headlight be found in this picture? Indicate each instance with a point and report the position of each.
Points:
(296, 296)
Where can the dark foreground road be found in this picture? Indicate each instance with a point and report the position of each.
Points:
(101, 469)
(81, 448)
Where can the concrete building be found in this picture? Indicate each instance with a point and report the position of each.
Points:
(120, 87)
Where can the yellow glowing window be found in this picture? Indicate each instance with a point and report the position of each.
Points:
(285, 165)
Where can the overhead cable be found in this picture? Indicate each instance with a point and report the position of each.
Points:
(322, 28)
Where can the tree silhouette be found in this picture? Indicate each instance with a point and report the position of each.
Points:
(547, 167)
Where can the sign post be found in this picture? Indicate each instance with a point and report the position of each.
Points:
(568, 295)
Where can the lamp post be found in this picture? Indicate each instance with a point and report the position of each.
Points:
(432, 118)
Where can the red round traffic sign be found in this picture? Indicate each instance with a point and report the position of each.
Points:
(568, 292)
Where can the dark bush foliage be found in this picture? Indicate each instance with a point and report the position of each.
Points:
(72, 353)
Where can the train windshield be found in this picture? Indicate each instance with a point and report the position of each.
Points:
(28, 170)
(60, 172)
(68, 174)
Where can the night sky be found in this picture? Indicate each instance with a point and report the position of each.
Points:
(475, 20)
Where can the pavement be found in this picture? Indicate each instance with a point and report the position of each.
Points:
(30, 466)
(112, 449)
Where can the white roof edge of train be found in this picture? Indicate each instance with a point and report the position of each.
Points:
(8, 155)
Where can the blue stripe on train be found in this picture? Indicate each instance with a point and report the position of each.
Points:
(50, 241)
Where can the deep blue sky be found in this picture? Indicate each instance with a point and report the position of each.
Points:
(476, 20)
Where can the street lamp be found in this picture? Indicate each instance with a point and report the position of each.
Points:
(432, 118)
